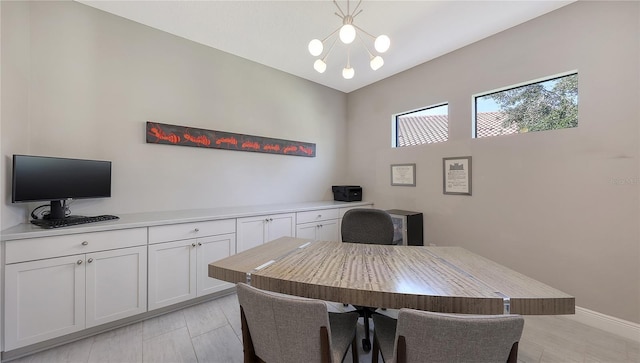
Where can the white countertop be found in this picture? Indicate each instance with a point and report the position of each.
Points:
(133, 220)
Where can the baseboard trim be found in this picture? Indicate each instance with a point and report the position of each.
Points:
(611, 324)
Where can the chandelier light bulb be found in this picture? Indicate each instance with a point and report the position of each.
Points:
(320, 66)
(348, 72)
(382, 43)
(315, 47)
(347, 33)
(376, 62)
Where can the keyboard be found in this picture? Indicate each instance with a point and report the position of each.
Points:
(71, 221)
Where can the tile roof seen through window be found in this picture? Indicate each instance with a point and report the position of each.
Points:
(427, 129)
(418, 130)
(490, 124)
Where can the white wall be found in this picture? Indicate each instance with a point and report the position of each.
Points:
(83, 83)
(560, 206)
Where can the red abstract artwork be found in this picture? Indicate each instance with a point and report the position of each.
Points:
(158, 133)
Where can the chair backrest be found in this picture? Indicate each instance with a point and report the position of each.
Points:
(367, 225)
(433, 337)
(283, 328)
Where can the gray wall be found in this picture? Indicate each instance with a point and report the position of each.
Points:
(560, 206)
(78, 82)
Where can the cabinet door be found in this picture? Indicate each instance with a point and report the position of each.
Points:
(281, 225)
(116, 284)
(307, 230)
(211, 249)
(250, 232)
(329, 231)
(172, 273)
(43, 299)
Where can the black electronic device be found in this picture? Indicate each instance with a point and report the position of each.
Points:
(54, 180)
(347, 193)
(407, 227)
(71, 221)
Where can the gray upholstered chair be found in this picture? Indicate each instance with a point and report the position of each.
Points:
(371, 226)
(422, 336)
(367, 225)
(279, 328)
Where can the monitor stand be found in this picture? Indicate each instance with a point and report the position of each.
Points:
(56, 211)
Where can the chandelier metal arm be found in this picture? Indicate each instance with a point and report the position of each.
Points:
(340, 9)
(364, 31)
(365, 46)
(349, 57)
(356, 8)
(324, 59)
(330, 35)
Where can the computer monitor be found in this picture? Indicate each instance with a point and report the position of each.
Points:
(53, 179)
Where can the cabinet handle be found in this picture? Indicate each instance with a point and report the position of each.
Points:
(270, 219)
(90, 260)
(319, 216)
(193, 244)
(79, 262)
(85, 243)
(197, 230)
(199, 244)
(266, 220)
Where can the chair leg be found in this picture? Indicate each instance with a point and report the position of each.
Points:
(376, 350)
(366, 342)
(354, 349)
(247, 343)
(401, 353)
(325, 354)
(513, 354)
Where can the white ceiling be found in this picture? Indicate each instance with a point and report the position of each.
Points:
(276, 33)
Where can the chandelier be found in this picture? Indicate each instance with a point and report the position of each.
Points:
(347, 33)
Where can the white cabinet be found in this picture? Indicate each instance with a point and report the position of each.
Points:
(178, 270)
(44, 299)
(51, 297)
(211, 249)
(254, 231)
(116, 284)
(319, 224)
(68, 280)
(172, 273)
(323, 231)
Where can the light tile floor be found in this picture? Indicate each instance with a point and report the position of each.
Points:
(210, 332)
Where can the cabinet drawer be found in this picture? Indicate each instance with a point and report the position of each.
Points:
(317, 215)
(174, 232)
(72, 244)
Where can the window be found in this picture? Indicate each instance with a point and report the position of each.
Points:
(424, 126)
(549, 104)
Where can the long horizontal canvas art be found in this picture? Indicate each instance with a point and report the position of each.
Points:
(158, 133)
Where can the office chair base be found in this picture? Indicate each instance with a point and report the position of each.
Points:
(366, 345)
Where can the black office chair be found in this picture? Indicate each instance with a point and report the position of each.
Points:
(371, 226)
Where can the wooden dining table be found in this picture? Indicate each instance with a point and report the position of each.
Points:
(440, 279)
